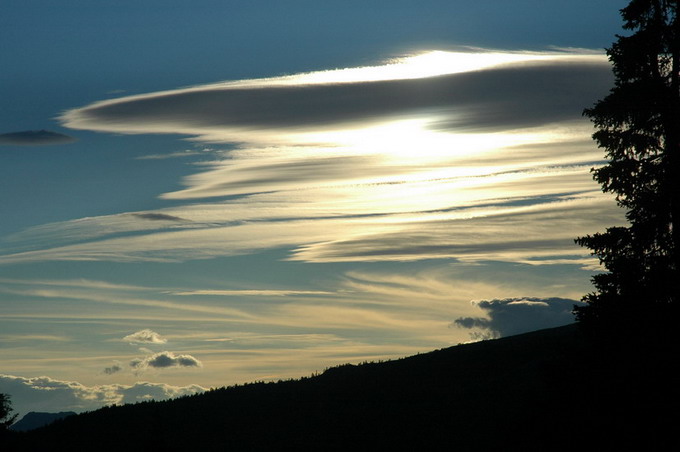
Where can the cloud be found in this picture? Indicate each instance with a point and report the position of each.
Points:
(145, 336)
(372, 313)
(157, 216)
(7, 338)
(171, 155)
(532, 233)
(521, 94)
(113, 369)
(164, 360)
(51, 395)
(489, 162)
(250, 292)
(510, 316)
(34, 138)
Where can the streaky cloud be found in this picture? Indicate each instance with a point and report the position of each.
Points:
(250, 292)
(34, 138)
(525, 233)
(171, 155)
(157, 216)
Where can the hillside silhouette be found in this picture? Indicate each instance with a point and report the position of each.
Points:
(554, 389)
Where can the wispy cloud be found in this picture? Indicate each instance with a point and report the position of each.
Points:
(142, 299)
(34, 138)
(519, 229)
(157, 216)
(172, 155)
(7, 338)
(250, 292)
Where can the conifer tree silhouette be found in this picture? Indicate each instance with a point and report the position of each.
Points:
(6, 416)
(638, 125)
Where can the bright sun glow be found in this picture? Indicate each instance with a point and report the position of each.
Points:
(415, 140)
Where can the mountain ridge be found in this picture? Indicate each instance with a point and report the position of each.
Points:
(552, 389)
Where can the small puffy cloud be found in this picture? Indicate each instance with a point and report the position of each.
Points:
(164, 360)
(49, 395)
(34, 138)
(113, 369)
(145, 336)
(510, 316)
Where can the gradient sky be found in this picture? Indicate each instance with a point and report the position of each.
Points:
(198, 194)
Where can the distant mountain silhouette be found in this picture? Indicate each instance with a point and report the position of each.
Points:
(549, 390)
(33, 420)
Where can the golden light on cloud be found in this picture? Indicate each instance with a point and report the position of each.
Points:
(433, 155)
(420, 65)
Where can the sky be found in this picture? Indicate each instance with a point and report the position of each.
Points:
(200, 194)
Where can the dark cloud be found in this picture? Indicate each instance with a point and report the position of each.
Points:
(510, 316)
(472, 322)
(164, 360)
(112, 369)
(34, 138)
(524, 95)
(157, 217)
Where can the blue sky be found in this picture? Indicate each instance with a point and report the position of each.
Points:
(197, 194)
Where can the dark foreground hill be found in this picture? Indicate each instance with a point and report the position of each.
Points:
(548, 390)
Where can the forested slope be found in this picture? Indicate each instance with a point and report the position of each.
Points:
(548, 390)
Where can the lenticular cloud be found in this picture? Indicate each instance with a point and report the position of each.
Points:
(473, 157)
(494, 92)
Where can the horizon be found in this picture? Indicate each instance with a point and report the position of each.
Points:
(207, 195)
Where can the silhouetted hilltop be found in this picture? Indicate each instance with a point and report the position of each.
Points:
(547, 390)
